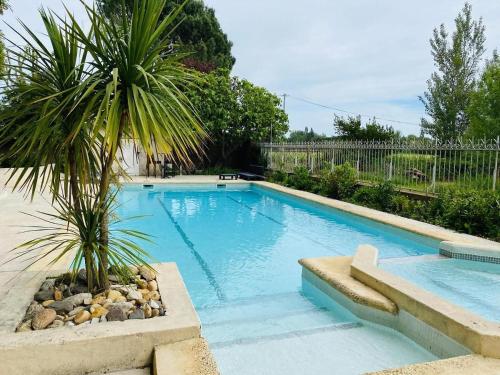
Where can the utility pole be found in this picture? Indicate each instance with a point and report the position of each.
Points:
(284, 101)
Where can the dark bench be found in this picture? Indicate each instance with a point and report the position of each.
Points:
(230, 176)
(251, 176)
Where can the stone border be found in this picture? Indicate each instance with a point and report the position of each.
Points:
(394, 221)
(481, 336)
(469, 251)
(102, 347)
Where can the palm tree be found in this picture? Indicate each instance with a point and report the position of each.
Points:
(139, 93)
(73, 104)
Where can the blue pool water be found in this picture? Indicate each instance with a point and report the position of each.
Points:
(237, 250)
(472, 285)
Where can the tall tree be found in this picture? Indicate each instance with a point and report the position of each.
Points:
(236, 112)
(450, 87)
(350, 128)
(198, 34)
(4, 4)
(484, 108)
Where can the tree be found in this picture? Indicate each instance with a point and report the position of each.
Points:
(306, 135)
(4, 5)
(235, 113)
(350, 128)
(484, 107)
(450, 87)
(199, 34)
(81, 110)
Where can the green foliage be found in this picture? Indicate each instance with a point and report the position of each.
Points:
(484, 108)
(235, 112)
(350, 128)
(449, 89)
(306, 135)
(199, 33)
(301, 179)
(278, 177)
(379, 197)
(339, 183)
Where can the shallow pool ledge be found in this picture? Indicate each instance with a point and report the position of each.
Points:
(336, 272)
(469, 251)
(464, 327)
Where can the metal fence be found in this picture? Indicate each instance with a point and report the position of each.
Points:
(421, 165)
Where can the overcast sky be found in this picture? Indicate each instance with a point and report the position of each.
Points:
(364, 56)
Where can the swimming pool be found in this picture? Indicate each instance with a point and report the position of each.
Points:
(472, 285)
(237, 248)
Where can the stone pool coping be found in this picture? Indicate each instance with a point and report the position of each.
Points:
(481, 336)
(108, 346)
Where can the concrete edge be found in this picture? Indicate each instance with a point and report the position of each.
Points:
(472, 364)
(470, 251)
(188, 357)
(103, 347)
(417, 227)
(472, 331)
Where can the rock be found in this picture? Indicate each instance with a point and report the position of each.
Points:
(44, 295)
(98, 312)
(155, 296)
(67, 293)
(155, 313)
(69, 324)
(59, 317)
(78, 299)
(103, 319)
(115, 279)
(142, 284)
(124, 306)
(76, 310)
(116, 314)
(82, 275)
(98, 300)
(162, 311)
(81, 317)
(58, 295)
(114, 294)
(64, 306)
(48, 284)
(47, 303)
(56, 324)
(133, 270)
(147, 273)
(94, 320)
(141, 301)
(121, 299)
(133, 295)
(43, 319)
(137, 314)
(154, 304)
(32, 309)
(24, 326)
(147, 311)
(152, 285)
(79, 288)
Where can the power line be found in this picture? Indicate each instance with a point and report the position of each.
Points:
(347, 112)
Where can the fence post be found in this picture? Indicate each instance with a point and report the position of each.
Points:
(390, 163)
(357, 164)
(434, 169)
(495, 170)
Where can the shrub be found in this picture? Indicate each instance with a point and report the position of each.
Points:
(339, 183)
(278, 176)
(379, 197)
(301, 179)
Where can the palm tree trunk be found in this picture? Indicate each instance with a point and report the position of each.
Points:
(106, 171)
(76, 199)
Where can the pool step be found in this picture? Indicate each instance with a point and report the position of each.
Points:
(269, 316)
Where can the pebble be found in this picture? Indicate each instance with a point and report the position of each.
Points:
(87, 301)
(154, 304)
(48, 284)
(82, 275)
(43, 318)
(98, 312)
(64, 306)
(98, 300)
(147, 273)
(134, 295)
(76, 310)
(59, 317)
(155, 296)
(78, 299)
(152, 285)
(116, 314)
(103, 319)
(44, 295)
(56, 324)
(24, 326)
(48, 302)
(58, 295)
(155, 313)
(82, 317)
(33, 308)
(121, 299)
(113, 295)
(134, 270)
(94, 320)
(147, 311)
(69, 323)
(137, 314)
